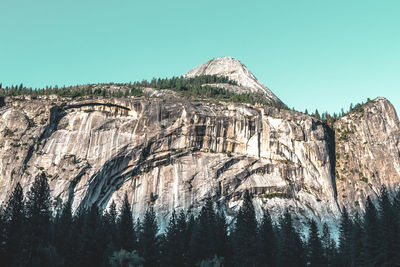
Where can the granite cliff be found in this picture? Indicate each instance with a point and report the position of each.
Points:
(171, 153)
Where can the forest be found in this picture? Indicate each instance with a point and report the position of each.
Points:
(35, 230)
(196, 88)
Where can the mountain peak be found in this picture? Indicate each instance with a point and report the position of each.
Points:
(236, 71)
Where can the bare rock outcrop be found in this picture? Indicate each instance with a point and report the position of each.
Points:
(367, 153)
(236, 71)
(168, 152)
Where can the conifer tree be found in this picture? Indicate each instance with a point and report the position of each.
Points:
(290, 245)
(38, 214)
(267, 243)
(315, 249)
(388, 232)
(148, 241)
(15, 228)
(92, 243)
(3, 235)
(202, 244)
(221, 235)
(63, 237)
(329, 246)
(127, 235)
(245, 234)
(174, 243)
(357, 249)
(371, 237)
(111, 230)
(345, 238)
(396, 211)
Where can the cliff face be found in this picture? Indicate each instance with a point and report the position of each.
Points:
(367, 153)
(170, 153)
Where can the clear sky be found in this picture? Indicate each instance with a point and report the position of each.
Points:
(310, 53)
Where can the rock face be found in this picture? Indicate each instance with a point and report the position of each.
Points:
(236, 71)
(170, 153)
(367, 153)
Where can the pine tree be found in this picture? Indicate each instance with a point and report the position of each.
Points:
(202, 239)
(291, 251)
(345, 238)
(63, 237)
(329, 246)
(267, 243)
(221, 235)
(396, 211)
(371, 237)
(388, 232)
(3, 235)
(357, 249)
(315, 249)
(245, 234)
(38, 214)
(148, 241)
(92, 242)
(127, 235)
(15, 228)
(111, 230)
(174, 243)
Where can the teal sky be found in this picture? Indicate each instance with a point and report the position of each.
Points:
(310, 53)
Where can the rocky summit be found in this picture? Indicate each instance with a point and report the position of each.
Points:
(171, 152)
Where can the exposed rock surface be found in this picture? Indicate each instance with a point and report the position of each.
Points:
(367, 153)
(171, 153)
(236, 71)
(179, 152)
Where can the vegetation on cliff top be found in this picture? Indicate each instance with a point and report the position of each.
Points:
(197, 88)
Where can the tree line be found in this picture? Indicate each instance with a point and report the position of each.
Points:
(199, 87)
(330, 119)
(34, 233)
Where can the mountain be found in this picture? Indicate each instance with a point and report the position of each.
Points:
(236, 71)
(171, 152)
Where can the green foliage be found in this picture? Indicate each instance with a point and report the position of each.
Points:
(244, 236)
(193, 88)
(38, 213)
(267, 241)
(126, 231)
(8, 132)
(16, 232)
(277, 194)
(206, 234)
(148, 240)
(123, 258)
(152, 197)
(214, 262)
(174, 243)
(291, 250)
(15, 145)
(34, 233)
(315, 248)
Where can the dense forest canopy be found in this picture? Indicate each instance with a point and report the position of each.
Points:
(35, 230)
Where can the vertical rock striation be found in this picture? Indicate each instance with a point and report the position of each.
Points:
(171, 153)
(367, 153)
